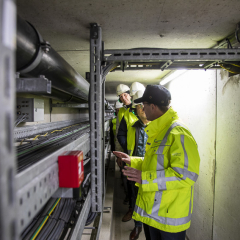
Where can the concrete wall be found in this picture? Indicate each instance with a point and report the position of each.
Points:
(227, 188)
(208, 103)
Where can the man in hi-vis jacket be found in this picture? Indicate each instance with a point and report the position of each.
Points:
(167, 174)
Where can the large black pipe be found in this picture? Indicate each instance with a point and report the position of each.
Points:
(31, 50)
(62, 97)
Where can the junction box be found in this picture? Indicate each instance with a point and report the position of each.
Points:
(32, 109)
(71, 171)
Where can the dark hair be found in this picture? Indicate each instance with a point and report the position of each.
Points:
(163, 108)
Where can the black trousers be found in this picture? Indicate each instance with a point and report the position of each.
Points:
(152, 233)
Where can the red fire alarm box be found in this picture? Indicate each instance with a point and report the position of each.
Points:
(71, 172)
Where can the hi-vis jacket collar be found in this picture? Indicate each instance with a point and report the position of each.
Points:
(160, 123)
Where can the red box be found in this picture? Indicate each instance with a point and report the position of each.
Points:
(71, 171)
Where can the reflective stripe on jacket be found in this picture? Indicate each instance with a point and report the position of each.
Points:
(169, 170)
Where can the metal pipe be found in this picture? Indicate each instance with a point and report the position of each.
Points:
(35, 57)
(62, 96)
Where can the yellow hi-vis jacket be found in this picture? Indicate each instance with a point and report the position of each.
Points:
(121, 113)
(130, 118)
(169, 170)
(131, 139)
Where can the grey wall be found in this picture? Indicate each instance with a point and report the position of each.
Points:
(208, 103)
(227, 187)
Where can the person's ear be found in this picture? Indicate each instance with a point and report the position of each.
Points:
(153, 106)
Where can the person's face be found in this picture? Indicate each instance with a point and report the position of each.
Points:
(125, 98)
(147, 108)
(140, 112)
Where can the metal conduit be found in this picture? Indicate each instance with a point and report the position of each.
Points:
(35, 57)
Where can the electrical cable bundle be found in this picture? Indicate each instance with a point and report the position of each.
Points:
(20, 119)
(35, 150)
(34, 225)
(52, 221)
(230, 67)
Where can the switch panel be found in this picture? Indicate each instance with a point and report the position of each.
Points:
(31, 108)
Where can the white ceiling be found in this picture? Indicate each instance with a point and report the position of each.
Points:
(130, 24)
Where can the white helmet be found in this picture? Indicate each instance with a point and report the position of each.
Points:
(137, 95)
(118, 105)
(121, 88)
(136, 86)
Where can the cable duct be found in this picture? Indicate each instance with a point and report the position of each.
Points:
(35, 57)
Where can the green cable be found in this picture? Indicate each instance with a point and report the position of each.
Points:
(44, 220)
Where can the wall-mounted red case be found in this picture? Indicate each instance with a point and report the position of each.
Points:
(71, 171)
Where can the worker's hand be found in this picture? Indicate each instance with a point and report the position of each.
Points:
(133, 174)
(119, 162)
(123, 156)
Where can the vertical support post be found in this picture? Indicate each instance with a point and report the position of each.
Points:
(103, 141)
(96, 113)
(8, 218)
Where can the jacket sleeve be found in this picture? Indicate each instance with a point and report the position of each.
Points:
(136, 162)
(117, 144)
(122, 134)
(183, 166)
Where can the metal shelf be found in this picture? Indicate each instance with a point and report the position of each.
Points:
(37, 184)
(27, 131)
(78, 230)
(232, 54)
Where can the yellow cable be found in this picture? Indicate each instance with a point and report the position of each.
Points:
(234, 64)
(45, 220)
(21, 142)
(65, 128)
(36, 137)
(228, 70)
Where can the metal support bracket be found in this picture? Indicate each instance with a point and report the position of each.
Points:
(8, 202)
(68, 105)
(33, 85)
(96, 119)
(44, 47)
(143, 59)
(166, 65)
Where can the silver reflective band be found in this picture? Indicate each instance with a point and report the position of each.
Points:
(163, 220)
(159, 152)
(161, 179)
(185, 153)
(186, 174)
(129, 152)
(145, 182)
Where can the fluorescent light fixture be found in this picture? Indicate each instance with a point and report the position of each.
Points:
(169, 77)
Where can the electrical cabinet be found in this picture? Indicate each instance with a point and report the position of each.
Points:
(30, 109)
